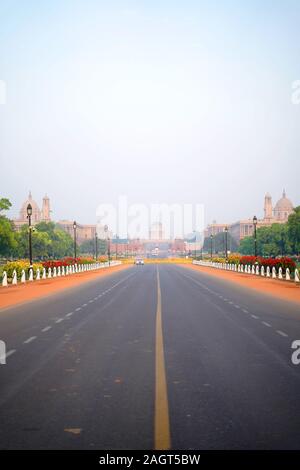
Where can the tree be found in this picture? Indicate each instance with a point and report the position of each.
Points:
(61, 242)
(89, 247)
(219, 243)
(48, 241)
(7, 236)
(271, 241)
(40, 243)
(293, 225)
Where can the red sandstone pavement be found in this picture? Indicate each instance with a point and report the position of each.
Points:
(21, 293)
(281, 289)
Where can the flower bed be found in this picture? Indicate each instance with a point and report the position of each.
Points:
(67, 262)
(277, 263)
(19, 266)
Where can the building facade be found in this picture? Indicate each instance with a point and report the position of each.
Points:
(38, 215)
(277, 215)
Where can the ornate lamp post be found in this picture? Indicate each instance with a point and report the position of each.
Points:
(29, 214)
(254, 233)
(211, 246)
(226, 243)
(108, 244)
(96, 245)
(117, 241)
(75, 229)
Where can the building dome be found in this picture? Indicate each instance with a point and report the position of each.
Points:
(36, 213)
(283, 208)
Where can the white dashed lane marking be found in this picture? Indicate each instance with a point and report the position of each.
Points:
(10, 353)
(77, 309)
(230, 302)
(29, 340)
(282, 333)
(69, 314)
(59, 320)
(47, 328)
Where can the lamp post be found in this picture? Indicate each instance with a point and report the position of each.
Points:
(255, 238)
(108, 244)
(75, 230)
(226, 243)
(211, 246)
(96, 245)
(29, 214)
(117, 240)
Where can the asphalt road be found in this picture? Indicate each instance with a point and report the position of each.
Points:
(152, 356)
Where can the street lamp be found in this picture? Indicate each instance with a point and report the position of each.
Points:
(75, 229)
(96, 245)
(108, 244)
(255, 239)
(211, 246)
(117, 241)
(29, 214)
(226, 243)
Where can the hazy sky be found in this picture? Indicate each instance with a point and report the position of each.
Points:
(162, 101)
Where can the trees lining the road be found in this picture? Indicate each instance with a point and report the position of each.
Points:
(48, 240)
(276, 240)
(219, 243)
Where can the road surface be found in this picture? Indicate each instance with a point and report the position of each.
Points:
(154, 356)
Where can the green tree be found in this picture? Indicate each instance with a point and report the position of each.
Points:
(61, 242)
(271, 241)
(294, 230)
(219, 243)
(7, 235)
(41, 243)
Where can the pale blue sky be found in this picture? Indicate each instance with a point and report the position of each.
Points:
(163, 101)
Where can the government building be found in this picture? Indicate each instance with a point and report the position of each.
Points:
(83, 232)
(278, 214)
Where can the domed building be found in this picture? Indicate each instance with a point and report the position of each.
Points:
(283, 208)
(38, 215)
(277, 215)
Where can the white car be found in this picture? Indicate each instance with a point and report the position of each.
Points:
(139, 261)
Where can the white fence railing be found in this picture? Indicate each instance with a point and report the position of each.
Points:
(256, 270)
(55, 272)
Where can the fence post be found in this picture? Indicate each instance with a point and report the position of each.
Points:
(14, 277)
(4, 279)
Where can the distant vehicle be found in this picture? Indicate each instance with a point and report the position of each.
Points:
(139, 261)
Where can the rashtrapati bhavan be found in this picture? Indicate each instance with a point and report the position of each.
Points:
(278, 214)
(84, 232)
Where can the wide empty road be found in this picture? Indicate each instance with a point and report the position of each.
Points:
(153, 356)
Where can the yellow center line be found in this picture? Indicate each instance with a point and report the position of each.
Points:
(162, 439)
